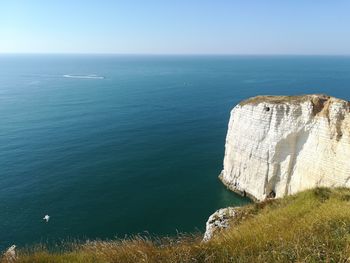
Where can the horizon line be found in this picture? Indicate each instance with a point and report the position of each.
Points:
(169, 54)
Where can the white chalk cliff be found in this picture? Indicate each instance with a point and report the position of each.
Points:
(279, 145)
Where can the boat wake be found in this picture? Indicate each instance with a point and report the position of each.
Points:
(83, 76)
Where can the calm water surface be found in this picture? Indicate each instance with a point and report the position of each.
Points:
(117, 145)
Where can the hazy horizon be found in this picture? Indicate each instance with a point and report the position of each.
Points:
(178, 54)
(183, 28)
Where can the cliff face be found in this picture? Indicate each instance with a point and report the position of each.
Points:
(278, 145)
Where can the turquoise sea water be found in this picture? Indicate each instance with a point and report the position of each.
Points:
(117, 145)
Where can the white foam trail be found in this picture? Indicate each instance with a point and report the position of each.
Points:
(83, 76)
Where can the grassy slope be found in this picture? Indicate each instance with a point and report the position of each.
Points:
(312, 226)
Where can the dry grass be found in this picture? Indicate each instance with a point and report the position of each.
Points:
(312, 226)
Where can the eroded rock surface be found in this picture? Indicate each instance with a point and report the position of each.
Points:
(10, 255)
(278, 145)
(219, 221)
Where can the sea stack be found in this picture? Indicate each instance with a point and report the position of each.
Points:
(279, 145)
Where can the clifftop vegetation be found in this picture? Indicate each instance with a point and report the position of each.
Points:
(312, 226)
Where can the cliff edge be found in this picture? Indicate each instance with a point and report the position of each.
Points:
(280, 145)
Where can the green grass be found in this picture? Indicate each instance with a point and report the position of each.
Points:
(312, 226)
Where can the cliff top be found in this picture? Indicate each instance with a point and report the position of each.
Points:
(312, 226)
(320, 102)
(289, 99)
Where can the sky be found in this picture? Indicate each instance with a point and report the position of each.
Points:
(176, 26)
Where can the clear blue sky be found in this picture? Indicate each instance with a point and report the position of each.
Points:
(175, 26)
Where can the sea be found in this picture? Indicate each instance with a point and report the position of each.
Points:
(110, 146)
